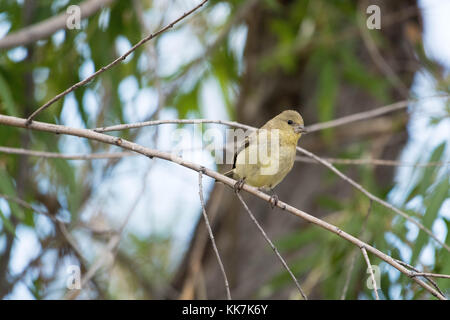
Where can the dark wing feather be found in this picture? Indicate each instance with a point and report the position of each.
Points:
(243, 146)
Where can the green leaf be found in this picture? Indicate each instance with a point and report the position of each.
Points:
(297, 239)
(188, 102)
(434, 203)
(429, 174)
(355, 72)
(6, 98)
(7, 223)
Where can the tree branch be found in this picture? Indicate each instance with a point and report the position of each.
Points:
(376, 162)
(428, 274)
(353, 257)
(372, 276)
(364, 115)
(211, 235)
(433, 283)
(55, 155)
(151, 153)
(118, 155)
(47, 27)
(272, 246)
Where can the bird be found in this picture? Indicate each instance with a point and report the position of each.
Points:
(267, 155)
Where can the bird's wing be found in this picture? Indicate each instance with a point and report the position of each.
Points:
(244, 145)
(254, 139)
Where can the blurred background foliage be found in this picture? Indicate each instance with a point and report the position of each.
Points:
(241, 60)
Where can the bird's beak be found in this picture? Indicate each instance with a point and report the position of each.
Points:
(300, 129)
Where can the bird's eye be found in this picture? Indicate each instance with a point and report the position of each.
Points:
(290, 122)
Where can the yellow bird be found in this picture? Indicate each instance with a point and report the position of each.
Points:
(267, 155)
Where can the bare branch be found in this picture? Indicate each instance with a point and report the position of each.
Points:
(55, 155)
(365, 115)
(272, 246)
(113, 63)
(211, 235)
(151, 153)
(376, 162)
(136, 125)
(433, 283)
(47, 27)
(428, 274)
(353, 258)
(369, 266)
(117, 155)
(369, 114)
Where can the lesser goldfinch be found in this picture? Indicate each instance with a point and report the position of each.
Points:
(268, 154)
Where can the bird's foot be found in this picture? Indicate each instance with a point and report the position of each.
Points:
(273, 201)
(238, 185)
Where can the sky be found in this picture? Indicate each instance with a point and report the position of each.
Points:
(170, 200)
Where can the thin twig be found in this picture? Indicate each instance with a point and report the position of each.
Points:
(369, 266)
(151, 153)
(113, 63)
(56, 155)
(430, 280)
(136, 125)
(428, 274)
(117, 155)
(365, 115)
(376, 162)
(272, 246)
(354, 253)
(211, 235)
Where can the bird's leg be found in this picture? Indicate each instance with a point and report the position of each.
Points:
(273, 199)
(238, 185)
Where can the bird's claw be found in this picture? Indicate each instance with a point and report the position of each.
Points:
(273, 201)
(238, 185)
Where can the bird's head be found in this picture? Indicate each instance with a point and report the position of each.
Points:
(290, 120)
